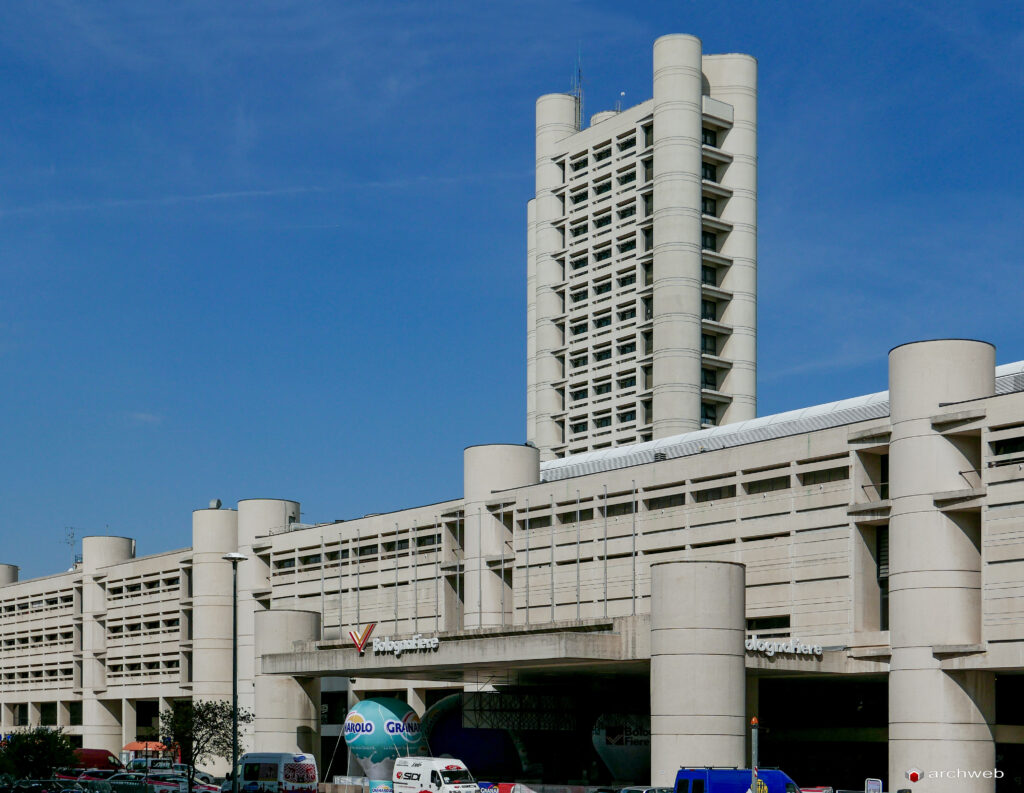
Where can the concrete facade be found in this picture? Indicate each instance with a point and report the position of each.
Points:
(879, 538)
(642, 259)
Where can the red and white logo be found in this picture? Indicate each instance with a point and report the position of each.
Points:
(914, 774)
(361, 639)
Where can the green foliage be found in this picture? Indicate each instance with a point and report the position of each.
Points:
(202, 729)
(34, 754)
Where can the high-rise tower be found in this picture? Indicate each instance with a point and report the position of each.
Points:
(642, 259)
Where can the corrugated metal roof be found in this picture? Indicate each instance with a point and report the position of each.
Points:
(1009, 378)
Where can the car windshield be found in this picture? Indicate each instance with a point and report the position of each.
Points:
(454, 776)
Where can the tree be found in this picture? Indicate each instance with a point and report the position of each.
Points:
(202, 729)
(34, 754)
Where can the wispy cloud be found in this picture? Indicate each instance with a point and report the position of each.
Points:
(164, 200)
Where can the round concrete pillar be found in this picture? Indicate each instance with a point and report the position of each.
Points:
(733, 79)
(698, 677)
(488, 469)
(677, 251)
(287, 709)
(257, 517)
(214, 533)
(8, 574)
(938, 720)
(100, 552)
(556, 119)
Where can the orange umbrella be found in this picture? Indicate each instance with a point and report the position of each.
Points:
(144, 746)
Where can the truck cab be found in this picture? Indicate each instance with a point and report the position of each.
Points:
(432, 775)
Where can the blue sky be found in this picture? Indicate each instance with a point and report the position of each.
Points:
(271, 249)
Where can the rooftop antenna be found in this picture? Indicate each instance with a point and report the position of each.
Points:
(69, 540)
(577, 88)
(618, 102)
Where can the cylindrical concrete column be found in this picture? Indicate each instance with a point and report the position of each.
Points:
(8, 574)
(677, 234)
(531, 321)
(287, 709)
(698, 679)
(733, 80)
(101, 724)
(257, 517)
(487, 469)
(937, 720)
(556, 119)
(214, 533)
(98, 553)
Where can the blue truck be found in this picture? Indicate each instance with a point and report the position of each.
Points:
(732, 780)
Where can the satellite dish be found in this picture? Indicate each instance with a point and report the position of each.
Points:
(214, 503)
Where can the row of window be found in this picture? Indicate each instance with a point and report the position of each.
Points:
(51, 638)
(59, 600)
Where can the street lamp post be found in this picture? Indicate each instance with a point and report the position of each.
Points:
(234, 557)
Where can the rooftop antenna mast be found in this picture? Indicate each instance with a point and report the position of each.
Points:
(69, 540)
(577, 89)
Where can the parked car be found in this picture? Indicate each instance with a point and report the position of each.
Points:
(127, 776)
(646, 790)
(167, 782)
(96, 775)
(199, 776)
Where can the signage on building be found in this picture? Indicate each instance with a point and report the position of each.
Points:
(770, 647)
(359, 640)
(395, 647)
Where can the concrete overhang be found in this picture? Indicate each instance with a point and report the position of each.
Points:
(470, 654)
(610, 647)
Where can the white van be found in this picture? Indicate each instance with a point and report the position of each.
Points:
(432, 775)
(276, 772)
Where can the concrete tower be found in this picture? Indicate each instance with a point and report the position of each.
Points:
(641, 259)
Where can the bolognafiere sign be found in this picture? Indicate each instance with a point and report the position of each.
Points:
(770, 648)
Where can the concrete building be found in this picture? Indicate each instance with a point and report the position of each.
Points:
(851, 573)
(642, 259)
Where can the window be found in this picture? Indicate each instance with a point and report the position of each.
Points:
(580, 393)
(882, 555)
(708, 344)
(709, 241)
(603, 288)
(603, 388)
(577, 264)
(662, 502)
(709, 137)
(627, 177)
(580, 230)
(627, 280)
(603, 220)
(708, 171)
(629, 313)
(709, 206)
(769, 627)
(603, 187)
(628, 245)
(648, 342)
(627, 212)
(708, 310)
(628, 143)
(828, 475)
(709, 275)
(580, 360)
(579, 296)
(603, 421)
(648, 131)
(603, 322)
(579, 165)
(1008, 446)
(579, 198)
(709, 379)
(768, 485)
(578, 329)
(708, 413)
(602, 255)
(715, 493)
(603, 154)
(627, 416)
(626, 349)
(579, 426)
(628, 382)
(603, 354)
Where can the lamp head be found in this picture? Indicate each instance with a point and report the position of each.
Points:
(234, 557)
